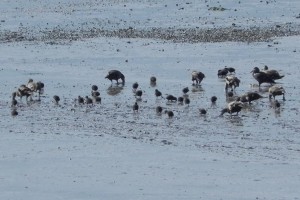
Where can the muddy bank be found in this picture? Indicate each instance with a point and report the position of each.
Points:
(189, 35)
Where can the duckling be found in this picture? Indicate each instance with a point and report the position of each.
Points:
(171, 98)
(56, 99)
(231, 82)
(158, 93)
(88, 100)
(80, 100)
(187, 101)
(202, 111)
(14, 112)
(185, 90)
(135, 86)
(135, 107)
(180, 100)
(276, 91)
(261, 77)
(139, 94)
(213, 99)
(232, 107)
(95, 93)
(274, 74)
(159, 109)
(97, 99)
(153, 81)
(94, 87)
(250, 96)
(222, 72)
(169, 113)
(198, 77)
(115, 75)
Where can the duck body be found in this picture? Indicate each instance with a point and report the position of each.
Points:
(262, 77)
(250, 96)
(222, 72)
(171, 98)
(276, 91)
(115, 75)
(158, 93)
(233, 107)
(197, 76)
(135, 107)
(23, 90)
(274, 74)
(231, 82)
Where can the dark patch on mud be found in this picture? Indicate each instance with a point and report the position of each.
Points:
(189, 35)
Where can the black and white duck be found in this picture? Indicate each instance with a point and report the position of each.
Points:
(231, 82)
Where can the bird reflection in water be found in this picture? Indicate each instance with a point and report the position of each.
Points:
(114, 90)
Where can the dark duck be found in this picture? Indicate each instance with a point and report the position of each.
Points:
(115, 75)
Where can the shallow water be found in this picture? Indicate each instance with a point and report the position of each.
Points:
(259, 132)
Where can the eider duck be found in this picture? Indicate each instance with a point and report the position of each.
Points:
(213, 99)
(56, 99)
(250, 96)
(185, 90)
(158, 93)
(276, 91)
(135, 107)
(14, 112)
(230, 69)
(80, 100)
(171, 98)
(88, 100)
(202, 111)
(187, 101)
(135, 86)
(97, 99)
(95, 93)
(261, 77)
(139, 94)
(169, 113)
(180, 100)
(274, 74)
(159, 109)
(233, 107)
(198, 77)
(94, 87)
(115, 75)
(23, 90)
(153, 81)
(231, 82)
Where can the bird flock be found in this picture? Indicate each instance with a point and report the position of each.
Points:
(235, 105)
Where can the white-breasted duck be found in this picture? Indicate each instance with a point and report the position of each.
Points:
(198, 77)
(139, 94)
(261, 77)
(276, 90)
(231, 82)
(115, 75)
